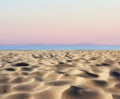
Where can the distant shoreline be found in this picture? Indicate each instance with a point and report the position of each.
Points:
(58, 47)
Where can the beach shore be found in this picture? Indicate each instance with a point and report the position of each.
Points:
(60, 74)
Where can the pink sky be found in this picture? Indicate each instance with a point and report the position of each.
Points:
(60, 22)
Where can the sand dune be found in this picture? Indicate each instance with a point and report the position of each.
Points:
(60, 74)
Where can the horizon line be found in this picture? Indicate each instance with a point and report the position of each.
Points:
(59, 44)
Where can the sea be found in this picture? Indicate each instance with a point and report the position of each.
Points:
(59, 47)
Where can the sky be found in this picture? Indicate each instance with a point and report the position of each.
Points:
(60, 22)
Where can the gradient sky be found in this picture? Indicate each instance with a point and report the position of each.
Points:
(60, 22)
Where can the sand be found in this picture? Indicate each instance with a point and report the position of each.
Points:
(60, 74)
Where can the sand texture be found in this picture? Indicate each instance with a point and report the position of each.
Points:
(60, 74)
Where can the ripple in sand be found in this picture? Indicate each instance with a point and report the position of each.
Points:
(52, 76)
(91, 74)
(63, 66)
(87, 74)
(101, 83)
(60, 72)
(10, 69)
(36, 56)
(117, 85)
(115, 74)
(115, 89)
(25, 87)
(80, 93)
(26, 69)
(47, 94)
(21, 80)
(116, 96)
(58, 83)
(38, 73)
(22, 64)
(37, 78)
(4, 80)
(103, 64)
(24, 73)
(19, 96)
(4, 89)
(68, 77)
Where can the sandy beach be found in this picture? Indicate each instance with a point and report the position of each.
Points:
(56, 74)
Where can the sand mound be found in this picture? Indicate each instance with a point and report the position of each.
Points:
(80, 93)
(116, 96)
(100, 83)
(19, 96)
(59, 74)
(58, 83)
(4, 89)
